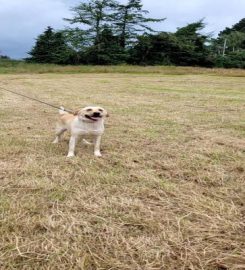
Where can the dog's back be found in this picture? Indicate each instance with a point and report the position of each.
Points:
(65, 117)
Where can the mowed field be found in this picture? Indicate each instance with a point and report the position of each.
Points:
(167, 194)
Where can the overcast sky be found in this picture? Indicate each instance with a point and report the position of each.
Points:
(22, 20)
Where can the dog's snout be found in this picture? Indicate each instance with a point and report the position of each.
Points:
(96, 114)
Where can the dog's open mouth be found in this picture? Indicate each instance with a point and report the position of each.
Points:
(93, 118)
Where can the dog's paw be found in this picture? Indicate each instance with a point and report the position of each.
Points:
(56, 140)
(70, 155)
(97, 154)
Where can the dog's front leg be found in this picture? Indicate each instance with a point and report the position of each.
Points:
(97, 141)
(72, 145)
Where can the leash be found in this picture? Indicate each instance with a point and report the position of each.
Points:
(40, 101)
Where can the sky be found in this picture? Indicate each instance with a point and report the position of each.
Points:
(21, 21)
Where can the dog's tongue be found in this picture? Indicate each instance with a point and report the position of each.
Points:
(91, 118)
(94, 119)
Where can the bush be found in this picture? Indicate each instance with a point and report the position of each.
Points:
(231, 60)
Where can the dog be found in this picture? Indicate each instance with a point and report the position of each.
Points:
(86, 121)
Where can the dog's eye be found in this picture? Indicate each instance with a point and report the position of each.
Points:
(100, 110)
(89, 110)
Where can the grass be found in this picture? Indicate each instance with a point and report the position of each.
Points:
(168, 192)
(20, 67)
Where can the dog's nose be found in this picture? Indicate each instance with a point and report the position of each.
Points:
(96, 114)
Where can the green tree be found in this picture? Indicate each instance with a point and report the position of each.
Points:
(234, 41)
(154, 49)
(129, 20)
(50, 47)
(229, 47)
(107, 52)
(240, 27)
(5, 57)
(231, 60)
(95, 16)
(193, 49)
(184, 48)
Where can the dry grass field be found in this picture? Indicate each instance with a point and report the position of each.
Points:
(167, 194)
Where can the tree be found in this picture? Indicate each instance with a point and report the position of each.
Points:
(230, 39)
(154, 49)
(50, 47)
(107, 52)
(185, 47)
(193, 49)
(124, 20)
(129, 20)
(231, 60)
(5, 57)
(240, 27)
(95, 15)
(229, 47)
(234, 41)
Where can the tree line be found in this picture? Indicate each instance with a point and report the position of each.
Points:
(106, 32)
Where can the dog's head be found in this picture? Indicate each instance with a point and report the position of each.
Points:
(92, 113)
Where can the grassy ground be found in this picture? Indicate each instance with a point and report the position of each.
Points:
(20, 67)
(167, 194)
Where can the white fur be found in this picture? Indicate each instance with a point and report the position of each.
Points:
(80, 126)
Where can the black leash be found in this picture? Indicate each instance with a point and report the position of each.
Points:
(40, 101)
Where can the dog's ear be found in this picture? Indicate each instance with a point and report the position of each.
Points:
(106, 114)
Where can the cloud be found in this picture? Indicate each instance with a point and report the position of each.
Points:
(217, 14)
(22, 20)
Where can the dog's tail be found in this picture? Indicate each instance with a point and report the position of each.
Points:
(62, 111)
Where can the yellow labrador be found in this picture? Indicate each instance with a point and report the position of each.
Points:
(86, 121)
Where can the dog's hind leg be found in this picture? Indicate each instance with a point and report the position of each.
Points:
(59, 132)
